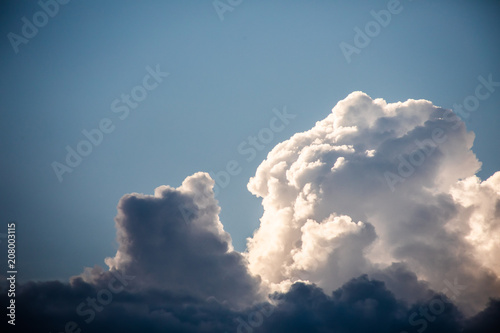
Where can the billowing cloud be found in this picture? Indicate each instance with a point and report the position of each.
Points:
(373, 184)
(373, 220)
(173, 240)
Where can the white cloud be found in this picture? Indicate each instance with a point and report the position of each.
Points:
(480, 217)
(317, 183)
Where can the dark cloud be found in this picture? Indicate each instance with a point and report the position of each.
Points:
(403, 283)
(361, 305)
(51, 307)
(487, 321)
(173, 240)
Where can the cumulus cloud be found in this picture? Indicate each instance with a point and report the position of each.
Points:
(373, 184)
(480, 204)
(173, 240)
(373, 220)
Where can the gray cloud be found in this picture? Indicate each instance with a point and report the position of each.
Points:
(362, 304)
(173, 240)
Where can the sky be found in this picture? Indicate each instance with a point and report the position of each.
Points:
(155, 92)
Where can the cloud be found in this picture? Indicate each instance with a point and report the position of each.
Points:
(373, 220)
(173, 240)
(480, 205)
(337, 171)
(487, 321)
(362, 304)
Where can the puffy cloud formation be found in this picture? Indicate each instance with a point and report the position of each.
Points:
(375, 184)
(373, 220)
(173, 240)
(481, 207)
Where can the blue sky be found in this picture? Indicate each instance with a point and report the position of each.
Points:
(225, 78)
